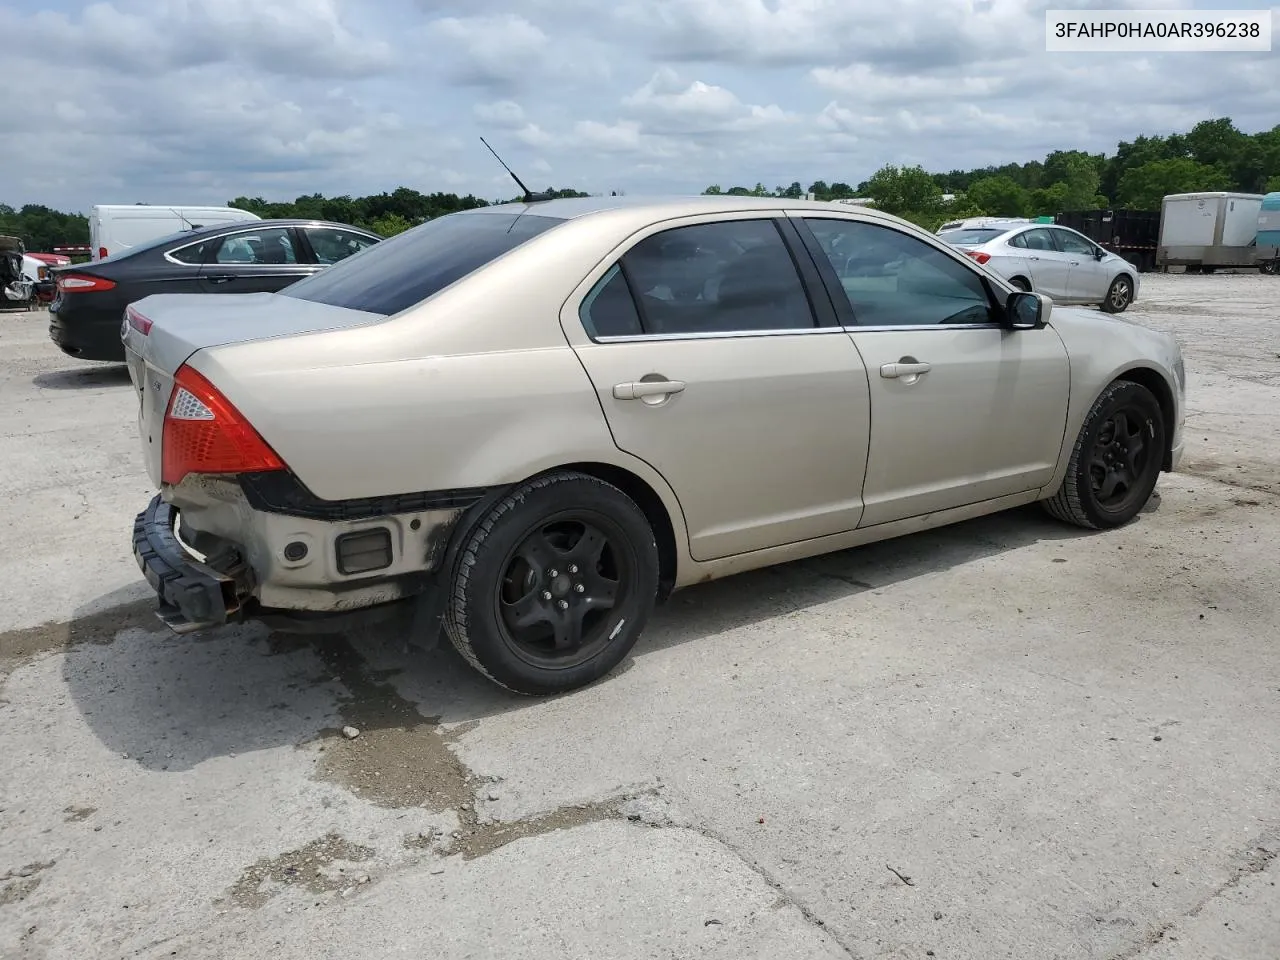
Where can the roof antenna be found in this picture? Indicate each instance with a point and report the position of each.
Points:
(528, 196)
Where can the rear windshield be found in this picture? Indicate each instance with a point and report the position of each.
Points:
(972, 236)
(394, 275)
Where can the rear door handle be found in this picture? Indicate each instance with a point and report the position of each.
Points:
(639, 389)
(892, 371)
(221, 279)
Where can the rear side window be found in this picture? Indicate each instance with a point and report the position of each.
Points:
(609, 310)
(410, 267)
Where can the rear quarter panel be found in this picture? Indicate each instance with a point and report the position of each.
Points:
(476, 387)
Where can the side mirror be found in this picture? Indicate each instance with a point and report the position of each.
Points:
(1027, 311)
(1099, 254)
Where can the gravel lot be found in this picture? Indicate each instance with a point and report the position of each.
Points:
(1003, 739)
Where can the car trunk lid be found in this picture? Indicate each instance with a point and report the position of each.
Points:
(163, 331)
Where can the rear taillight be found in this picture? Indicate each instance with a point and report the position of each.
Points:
(137, 321)
(204, 433)
(102, 253)
(977, 255)
(84, 283)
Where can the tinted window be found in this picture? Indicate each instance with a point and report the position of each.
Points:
(893, 279)
(331, 244)
(717, 278)
(272, 246)
(967, 237)
(608, 310)
(410, 267)
(1071, 243)
(193, 253)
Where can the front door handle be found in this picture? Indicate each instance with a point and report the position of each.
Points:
(221, 279)
(892, 371)
(639, 389)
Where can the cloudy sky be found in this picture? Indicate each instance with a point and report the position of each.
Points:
(189, 101)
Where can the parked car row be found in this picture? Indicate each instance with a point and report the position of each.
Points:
(257, 256)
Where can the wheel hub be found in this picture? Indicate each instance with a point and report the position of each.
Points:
(559, 591)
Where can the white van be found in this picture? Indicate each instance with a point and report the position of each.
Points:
(115, 228)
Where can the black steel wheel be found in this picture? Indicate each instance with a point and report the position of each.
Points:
(554, 585)
(1116, 460)
(1119, 294)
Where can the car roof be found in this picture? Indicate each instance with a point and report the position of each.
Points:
(661, 207)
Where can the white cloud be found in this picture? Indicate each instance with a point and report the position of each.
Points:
(491, 51)
(204, 100)
(299, 37)
(502, 114)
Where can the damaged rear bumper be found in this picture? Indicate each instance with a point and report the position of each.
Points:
(221, 558)
(192, 596)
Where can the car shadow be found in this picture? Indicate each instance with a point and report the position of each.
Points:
(84, 378)
(170, 702)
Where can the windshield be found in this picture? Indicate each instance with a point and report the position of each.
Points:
(394, 275)
(965, 237)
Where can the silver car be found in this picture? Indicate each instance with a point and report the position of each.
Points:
(1057, 261)
(531, 422)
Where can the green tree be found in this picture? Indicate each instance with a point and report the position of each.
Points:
(1142, 188)
(1273, 185)
(1047, 201)
(998, 196)
(389, 224)
(713, 191)
(903, 190)
(820, 190)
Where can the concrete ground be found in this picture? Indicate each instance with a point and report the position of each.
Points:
(1004, 739)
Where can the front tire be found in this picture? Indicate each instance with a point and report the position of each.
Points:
(554, 585)
(1115, 462)
(1119, 295)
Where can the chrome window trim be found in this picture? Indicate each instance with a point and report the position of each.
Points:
(740, 334)
(231, 233)
(719, 335)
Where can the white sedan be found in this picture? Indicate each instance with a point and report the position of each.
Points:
(1054, 260)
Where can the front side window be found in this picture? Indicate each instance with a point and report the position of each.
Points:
(331, 245)
(410, 267)
(273, 246)
(1069, 242)
(727, 277)
(894, 279)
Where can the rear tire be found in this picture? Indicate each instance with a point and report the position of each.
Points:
(1115, 462)
(1021, 283)
(1119, 294)
(554, 585)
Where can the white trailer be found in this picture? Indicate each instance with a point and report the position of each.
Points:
(1205, 231)
(115, 228)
